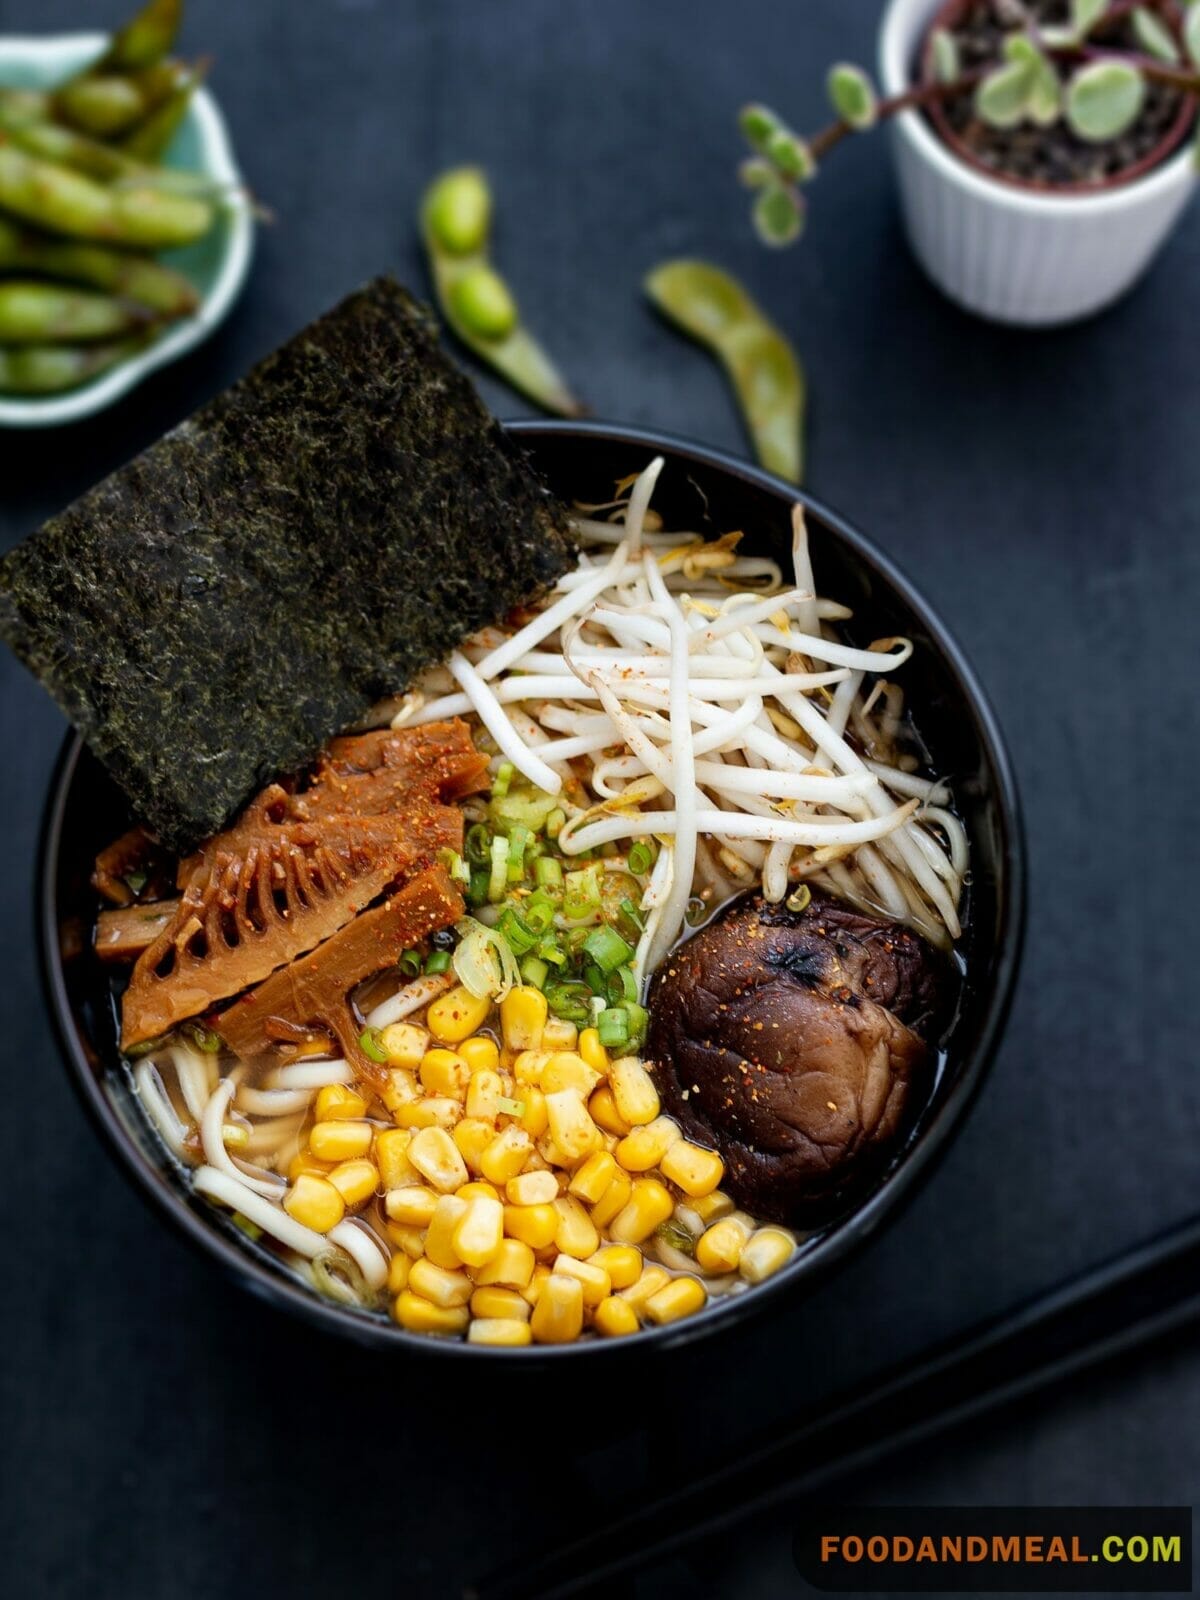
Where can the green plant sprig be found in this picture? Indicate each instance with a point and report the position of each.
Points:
(1046, 75)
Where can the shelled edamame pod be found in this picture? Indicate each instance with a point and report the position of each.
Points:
(120, 272)
(713, 308)
(63, 201)
(46, 313)
(52, 369)
(456, 214)
(150, 138)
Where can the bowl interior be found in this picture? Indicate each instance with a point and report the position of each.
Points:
(697, 489)
(216, 265)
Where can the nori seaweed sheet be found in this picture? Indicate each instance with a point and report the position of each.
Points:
(301, 546)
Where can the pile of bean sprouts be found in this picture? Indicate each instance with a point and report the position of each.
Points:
(670, 686)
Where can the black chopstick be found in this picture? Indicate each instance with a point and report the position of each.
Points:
(1134, 1297)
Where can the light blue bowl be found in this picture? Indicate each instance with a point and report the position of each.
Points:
(217, 265)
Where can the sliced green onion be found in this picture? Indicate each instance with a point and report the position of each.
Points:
(613, 1027)
(641, 857)
(582, 897)
(511, 928)
(203, 1038)
(510, 1108)
(477, 893)
(571, 1002)
(801, 899)
(535, 971)
(410, 963)
(498, 879)
(639, 1018)
(550, 950)
(454, 864)
(631, 913)
(478, 845)
(548, 873)
(556, 822)
(527, 808)
(538, 912)
(135, 882)
(371, 1045)
(623, 982)
(504, 776)
(519, 836)
(607, 949)
(439, 961)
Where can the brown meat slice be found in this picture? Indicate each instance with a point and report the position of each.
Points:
(786, 1040)
(314, 992)
(246, 912)
(123, 934)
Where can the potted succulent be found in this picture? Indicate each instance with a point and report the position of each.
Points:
(1044, 147)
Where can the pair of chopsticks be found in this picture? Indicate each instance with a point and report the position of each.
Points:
(1126, 1301)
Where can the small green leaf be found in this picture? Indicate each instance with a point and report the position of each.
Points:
(791, 156)
(1104, 99)
(1002, 99)
(756, 172)
(1154, 36)
(759, 125)
(1085, 14)
(852, 95)
(1191, 33)
(778, 215)
(944, 54)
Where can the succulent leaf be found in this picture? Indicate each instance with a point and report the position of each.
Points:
(1085, 14)
(1191, 33)
(778, 215)
(759, 125)
(1154, 36)
(1003, 97)
(852, 95)
(756, 172)
(791, 156)
(1104, 99)
(947, 62)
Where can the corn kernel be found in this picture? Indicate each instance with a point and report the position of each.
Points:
(679, 1298)
(650, 1282)
(499, 1331)
(400, 1089)
(535, 1226)
(431, 1111)
(511, 1267)
(593, 1177)
(528, 1065)
(593, 1052)
(532, 1189)
(719, 1248)
(484, 1093)
(633, 1090)
(412, 1207)
(443, 1285)
(472, 1136)
(337, 1102)
(558, 1316)
(622, 1262)
(506, 1155)
(436, 1157)
(444, 1072)
(391, 1157)
(766, 1251)
(480, 1053)
(355, 1181)
(648, 1205)
(340, 1141)
(558, 1034)
(613, 1200)
(644, 1147)
(410, 1240)
(418, 1315)
(480, 1233)
(303, 1162)
(534, 1118)
(566, 1070)
(399, 1268)
(576, 1233)
(456, 1015)
(694, 1170)
(596, 1283)
(711, 1207)
(570, 1127)
(533, 1289)
(314, 1202)
(491, 1301)
(404, 1043)
(439, 1236)
(614, 1318)
(602, 1108)
(523, 1013)
(477, 1189)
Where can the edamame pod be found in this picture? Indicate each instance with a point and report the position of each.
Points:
(145, 38)
(129, 276)
(63, 201)
(51, 369)
(103, 104)
(766, 374)
(150, 138)
(46, 313)
(95, 159)
(456, 217)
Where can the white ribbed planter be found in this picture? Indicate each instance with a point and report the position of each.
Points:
(1011, 254)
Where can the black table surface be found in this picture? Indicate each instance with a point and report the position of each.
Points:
(164, 1434)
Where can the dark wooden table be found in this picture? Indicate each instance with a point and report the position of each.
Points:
(162, 1434)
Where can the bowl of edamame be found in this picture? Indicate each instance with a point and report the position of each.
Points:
(115, 259)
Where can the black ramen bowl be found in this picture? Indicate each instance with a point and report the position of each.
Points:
(699, 488)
